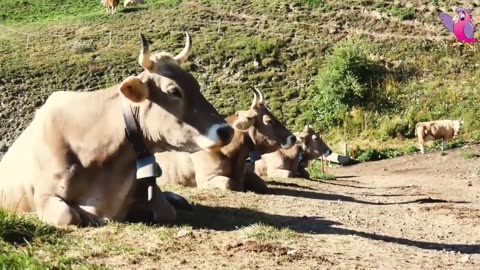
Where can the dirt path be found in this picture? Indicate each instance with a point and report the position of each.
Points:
(412, 212)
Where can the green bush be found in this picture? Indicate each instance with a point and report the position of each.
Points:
(364, 155)
(347, 80)
(396, 126)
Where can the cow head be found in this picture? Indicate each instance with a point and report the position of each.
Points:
(172, 112)
(312, 143)
(267, 133)
(457, 125)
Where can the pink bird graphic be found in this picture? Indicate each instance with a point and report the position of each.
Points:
(463, 29)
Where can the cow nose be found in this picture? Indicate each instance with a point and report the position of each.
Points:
(292, 139)
(290, 142)
(327, 153)
(225, 134)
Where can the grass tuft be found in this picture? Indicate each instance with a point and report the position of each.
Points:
(15, 229)
(265, 233)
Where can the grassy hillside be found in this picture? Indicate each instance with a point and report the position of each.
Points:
(360, 70)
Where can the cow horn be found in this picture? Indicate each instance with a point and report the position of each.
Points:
(183, 55)
(261, 99)
(255, 98)
(144, 57)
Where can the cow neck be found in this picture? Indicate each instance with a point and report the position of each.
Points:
(301, 155)
(253, 154)
(133, 131)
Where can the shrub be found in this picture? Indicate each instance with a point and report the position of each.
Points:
(347, 80)
(379, 154)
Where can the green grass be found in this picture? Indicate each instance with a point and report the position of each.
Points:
(27, 243)
(49, 11)
(22, 230)
(69, 49)
(403, 13)
(265, 233)
(316, 173)
(469, 154)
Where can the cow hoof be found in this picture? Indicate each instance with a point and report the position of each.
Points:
(177, 201)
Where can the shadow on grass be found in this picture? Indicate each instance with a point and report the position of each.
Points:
(336, 183)
(337, 197)
(132, 9)
(228, 219)
(292, 185)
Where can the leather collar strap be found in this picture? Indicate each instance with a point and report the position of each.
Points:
(133, 131)
(253, 155)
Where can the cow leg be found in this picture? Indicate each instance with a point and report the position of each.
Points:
(158, 210)
(280, 173)
(221, 182)
(55, 211)
(255, 183)
(163, 211)
(303, 173)
(422, 147)
(443, 145)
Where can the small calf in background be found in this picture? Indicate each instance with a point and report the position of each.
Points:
(435, 130)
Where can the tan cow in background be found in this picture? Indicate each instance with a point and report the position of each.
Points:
(435, 130)
(73, 164)
(256, 130)
(110, 5)
(286, 163)
(132, 3)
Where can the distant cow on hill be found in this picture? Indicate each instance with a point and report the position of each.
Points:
(435, 130)
(127, 3)
(110, 5)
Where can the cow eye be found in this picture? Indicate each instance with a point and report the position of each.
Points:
(267, 121)
(175, 91)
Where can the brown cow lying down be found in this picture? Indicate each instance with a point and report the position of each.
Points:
(435, 130)
(73, 164)
(256, 129)
(291, 162)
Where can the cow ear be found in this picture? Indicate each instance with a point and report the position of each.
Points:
(243, 121)
(251, 114)
(300, 137)
(134, 89)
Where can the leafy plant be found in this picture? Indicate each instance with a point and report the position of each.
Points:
(347, 80)
(316, 173)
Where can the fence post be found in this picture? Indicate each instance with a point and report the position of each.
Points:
(344, 149)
